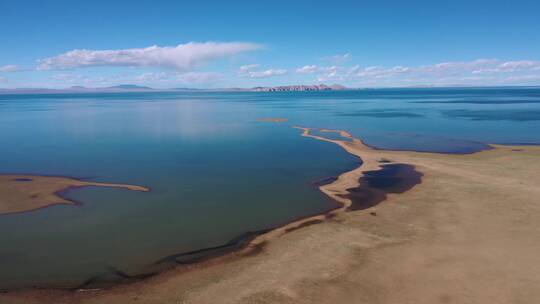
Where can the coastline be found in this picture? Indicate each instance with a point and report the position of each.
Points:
(24, 193)
(336, 190)
(371, 161)
(247, 244)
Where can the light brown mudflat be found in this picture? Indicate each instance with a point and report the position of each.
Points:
(21, 193)
(468, 233)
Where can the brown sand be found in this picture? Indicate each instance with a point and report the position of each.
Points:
(468, 233)
(21, 193)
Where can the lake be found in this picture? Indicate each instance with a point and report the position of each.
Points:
(215, 171)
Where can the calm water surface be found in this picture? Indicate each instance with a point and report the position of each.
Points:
(215, 172)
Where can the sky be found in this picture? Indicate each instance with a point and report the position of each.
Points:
(217, 44)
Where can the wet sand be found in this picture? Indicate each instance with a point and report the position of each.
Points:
(23, 193)
(467, 233)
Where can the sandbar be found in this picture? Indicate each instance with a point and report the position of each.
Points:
(23, 193)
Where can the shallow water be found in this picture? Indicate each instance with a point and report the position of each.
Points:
(215, 172)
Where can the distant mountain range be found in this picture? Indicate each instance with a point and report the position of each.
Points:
(137, 88)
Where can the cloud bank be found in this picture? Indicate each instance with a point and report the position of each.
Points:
(480, 71)
(338, 59)
(188, 78)
(9, 68)
(182, 57)
(252, 71)
(307, 69)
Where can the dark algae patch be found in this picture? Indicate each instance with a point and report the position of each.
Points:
(206, 253)
(482, 102)
(113, 276)
(304, 224)
(22, 179)
(495, 115)
(375, 185)
(381, 114)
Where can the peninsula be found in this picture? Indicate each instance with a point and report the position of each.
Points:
(21, 193)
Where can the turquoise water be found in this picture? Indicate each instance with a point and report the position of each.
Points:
(215, 172)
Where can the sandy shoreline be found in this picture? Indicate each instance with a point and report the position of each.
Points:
(336, 190)
(422, 246)
(23, 193)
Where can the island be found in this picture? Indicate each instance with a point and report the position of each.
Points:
(300, 88)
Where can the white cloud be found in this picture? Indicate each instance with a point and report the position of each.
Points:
(519, 65)
(68, 77)
(249, 67)
(152, 76)
(478, 72)
(154, 79)
(523, 78)
(337, 73)
(178, 78)
(267, 73)
(182, 57)
(307, 69)
(252, 71)
(338, 59)
(9, 68)
(400, 69)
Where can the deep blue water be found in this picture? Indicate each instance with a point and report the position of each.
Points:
(214, 170)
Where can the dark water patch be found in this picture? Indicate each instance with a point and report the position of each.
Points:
(206, 253)
(324, 181)
(304, 224)
(330, 179)
(421, 143)
(518, 144)
(375, 185)
(112, 277)
(380, 114)
(23, 179)
(395, 178)
(486, 102)
(495, 115)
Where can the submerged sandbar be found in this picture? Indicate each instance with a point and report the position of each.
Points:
(22, 193)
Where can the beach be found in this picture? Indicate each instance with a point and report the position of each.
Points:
(466, 234)
(23, 193)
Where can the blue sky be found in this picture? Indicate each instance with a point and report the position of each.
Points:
(249, 43)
